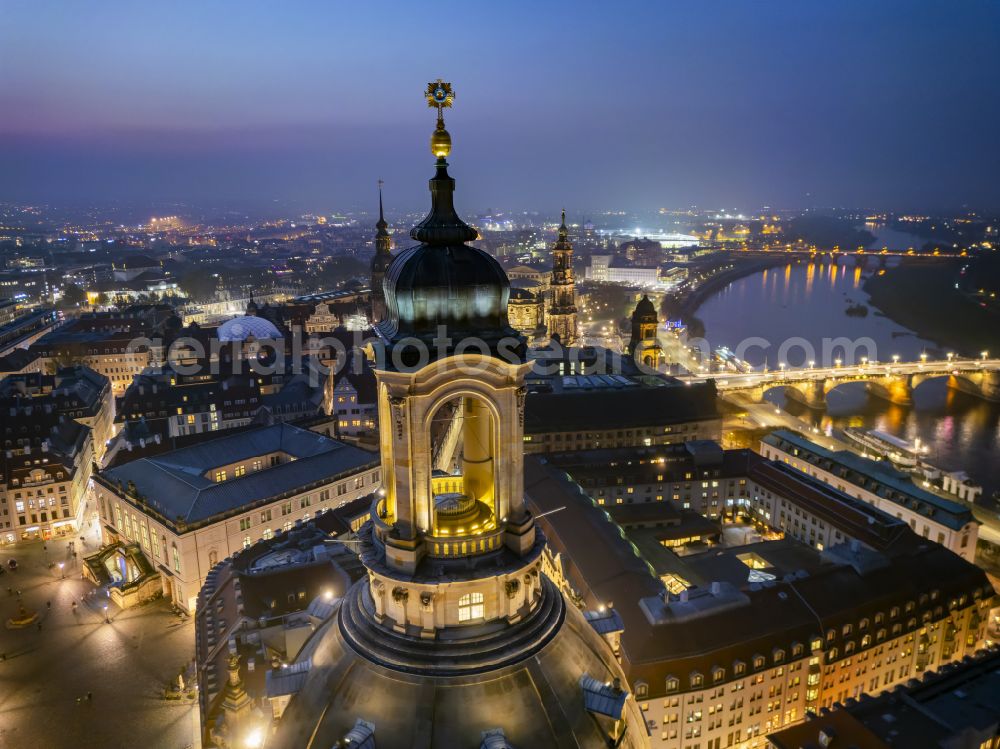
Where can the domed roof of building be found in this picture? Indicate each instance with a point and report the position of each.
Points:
(548, 692)
(644, 308)
(526, 283)
(443, 281)
(518, 294)
(244, 326)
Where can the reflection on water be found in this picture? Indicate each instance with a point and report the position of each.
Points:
(809, 300)
(960, 431)
(797, 308)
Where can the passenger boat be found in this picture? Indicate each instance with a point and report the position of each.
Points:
(899, 451)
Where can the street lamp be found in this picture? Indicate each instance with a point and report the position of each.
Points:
(254, 739)
(62, 575)
(984, 354)
(812, 364)
(837, 362)
(951, 355)
(895, 358)
(923, 357)
(106, 619)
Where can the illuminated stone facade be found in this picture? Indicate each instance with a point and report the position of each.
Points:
(454, 610)
(562, 312)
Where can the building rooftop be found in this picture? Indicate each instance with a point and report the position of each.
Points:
(960, 700)
(876, 476)
(176, 484)
(592, 402)
(728, 615)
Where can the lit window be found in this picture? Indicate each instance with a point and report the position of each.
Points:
(470, 606)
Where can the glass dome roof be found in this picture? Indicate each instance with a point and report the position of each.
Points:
(243, 327)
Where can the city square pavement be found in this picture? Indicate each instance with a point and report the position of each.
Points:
(45, 674)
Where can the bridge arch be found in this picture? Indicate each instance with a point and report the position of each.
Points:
(966, 382)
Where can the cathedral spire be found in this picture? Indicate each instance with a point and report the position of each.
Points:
(380, 262)
(381, 225)
(561, 314)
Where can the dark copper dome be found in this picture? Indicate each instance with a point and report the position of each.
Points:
(445, 282)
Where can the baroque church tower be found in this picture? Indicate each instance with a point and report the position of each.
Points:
(380, 262)
(644, 346)
(562, 311)
(455, 637)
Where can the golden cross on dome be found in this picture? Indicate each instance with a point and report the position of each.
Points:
(439, 94)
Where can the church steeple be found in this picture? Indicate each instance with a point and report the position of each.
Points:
(380, 262)
(444, 282)
(561, 316)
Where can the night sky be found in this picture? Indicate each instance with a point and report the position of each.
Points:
(592, 105)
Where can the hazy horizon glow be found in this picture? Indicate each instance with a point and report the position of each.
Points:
(634, 106)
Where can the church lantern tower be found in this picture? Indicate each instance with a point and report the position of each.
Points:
(644, 346)
(561, 315)
(380, 262)
(445, 640)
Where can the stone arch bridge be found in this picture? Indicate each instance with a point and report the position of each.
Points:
(894, 382)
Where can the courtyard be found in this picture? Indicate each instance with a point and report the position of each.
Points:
(124, 659)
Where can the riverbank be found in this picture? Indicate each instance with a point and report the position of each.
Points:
(924, 299)
(685, 307)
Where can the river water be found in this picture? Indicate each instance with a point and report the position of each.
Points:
(799, 306)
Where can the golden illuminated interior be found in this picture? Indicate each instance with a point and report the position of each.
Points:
(464, 503)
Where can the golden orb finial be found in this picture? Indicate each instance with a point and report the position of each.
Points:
(441, 96)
